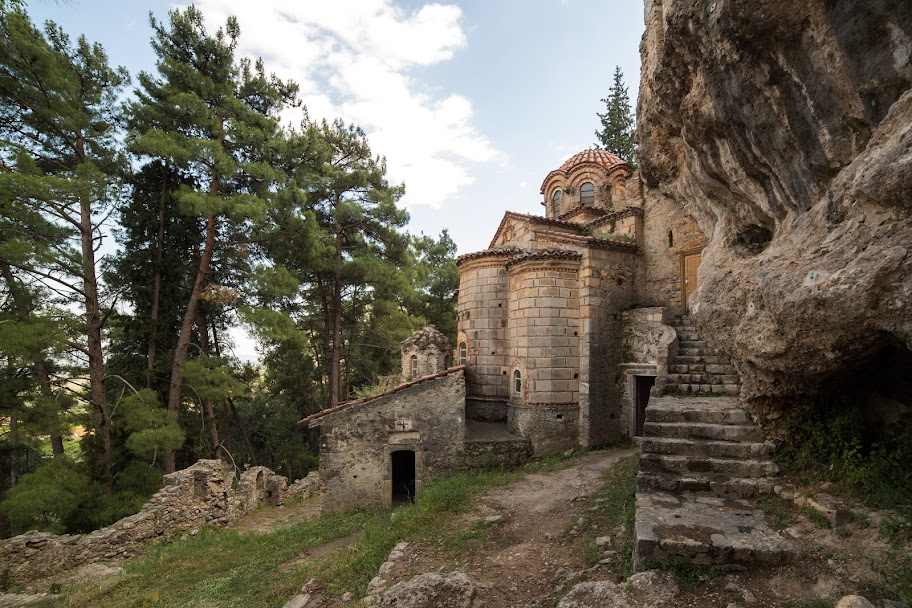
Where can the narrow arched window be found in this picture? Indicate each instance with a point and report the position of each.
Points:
(463, 353)
(517, 382)
(555, 203)
(671, 239)
(414, 366)
(587, 194)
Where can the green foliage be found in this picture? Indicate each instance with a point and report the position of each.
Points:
(50, 499)
(618, 133)
(617, 507)
(832, 442)
(152, 429)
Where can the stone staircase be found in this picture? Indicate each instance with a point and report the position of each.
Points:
(701, 460)
(697, 368)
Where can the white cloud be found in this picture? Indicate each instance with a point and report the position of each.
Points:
(354, 59)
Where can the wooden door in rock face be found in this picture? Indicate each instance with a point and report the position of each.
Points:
(690, 265)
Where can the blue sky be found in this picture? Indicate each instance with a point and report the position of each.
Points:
(471, 102)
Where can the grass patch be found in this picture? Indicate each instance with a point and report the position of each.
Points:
(220, 568)
(616, 503)
(687, 574)
(779, 513)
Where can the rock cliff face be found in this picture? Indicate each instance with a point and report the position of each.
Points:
(785, 129)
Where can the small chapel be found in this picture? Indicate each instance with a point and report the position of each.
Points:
(566, 325)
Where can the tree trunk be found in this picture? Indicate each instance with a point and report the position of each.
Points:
(38, 365)
(14, 449)
(337, 313)
(44, 382)
(98, 395)
(183, 338)
(248, 444)
(156, 281)
(202, 329)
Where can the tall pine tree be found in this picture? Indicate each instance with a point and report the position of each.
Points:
(618, 132)
(59, 116)
(216, 118)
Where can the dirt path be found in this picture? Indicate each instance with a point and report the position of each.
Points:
(527, 553)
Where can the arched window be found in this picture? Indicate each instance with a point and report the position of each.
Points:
(517, 382)
(671, 239)
(463, 353)
(555, 203)
(587, 194)
(414, 366)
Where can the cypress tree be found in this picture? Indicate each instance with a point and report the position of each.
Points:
(618, 133)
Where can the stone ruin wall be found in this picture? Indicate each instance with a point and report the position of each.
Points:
(785, 131)
(200, 495)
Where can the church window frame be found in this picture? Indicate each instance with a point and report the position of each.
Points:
(555, 202)
(463, 353)
(587, 193)
(414, 366)
(517, 382)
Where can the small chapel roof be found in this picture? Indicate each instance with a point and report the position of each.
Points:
(427, 336)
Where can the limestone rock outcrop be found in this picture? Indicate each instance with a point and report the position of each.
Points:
(785, 130)
(450, 590)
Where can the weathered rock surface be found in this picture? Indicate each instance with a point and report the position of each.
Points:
(785, 130)
(451, 590)
(642, 590)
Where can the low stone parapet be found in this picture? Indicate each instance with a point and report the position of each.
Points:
(200, 495)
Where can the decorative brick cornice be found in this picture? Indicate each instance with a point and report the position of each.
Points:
(501, 252)
(545, 254)
(571, 405)
(614, 216)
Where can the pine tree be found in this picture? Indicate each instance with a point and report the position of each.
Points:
(618, 132)
(216, 118)
(59, 116)
(355, 207)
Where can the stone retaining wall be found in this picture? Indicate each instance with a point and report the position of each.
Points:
(201, 495)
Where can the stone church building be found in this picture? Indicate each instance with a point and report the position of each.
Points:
(564, 330)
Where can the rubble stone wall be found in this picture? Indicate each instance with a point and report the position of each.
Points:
(200, 495)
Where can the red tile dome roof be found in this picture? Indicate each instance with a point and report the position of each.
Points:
(600, 157)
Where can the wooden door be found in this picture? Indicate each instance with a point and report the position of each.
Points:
(691, 263)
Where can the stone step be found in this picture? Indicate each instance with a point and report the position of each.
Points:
(712, 468)
(697, 410)
(688, 359)
(705, 530)
(687, 336)
(703, 378)
(726, 487)
(698, 343)
(712, 449)
(705, 431)
(694, 350)
(718, 389)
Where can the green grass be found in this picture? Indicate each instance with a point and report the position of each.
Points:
(617, 504)
(687, 574)
(220, 568)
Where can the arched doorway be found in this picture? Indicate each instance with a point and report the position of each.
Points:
(403, 476)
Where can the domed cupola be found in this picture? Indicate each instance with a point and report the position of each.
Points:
(591, 178)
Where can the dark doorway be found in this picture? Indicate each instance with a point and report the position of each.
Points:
(403, 463)
(641, 387)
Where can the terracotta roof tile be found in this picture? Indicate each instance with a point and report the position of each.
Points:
(602, 158)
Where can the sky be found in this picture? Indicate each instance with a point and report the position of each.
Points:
(471, 102)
